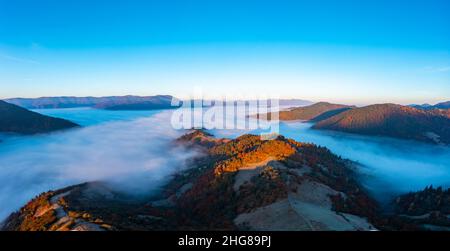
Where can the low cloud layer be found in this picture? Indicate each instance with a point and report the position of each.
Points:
(135, 155)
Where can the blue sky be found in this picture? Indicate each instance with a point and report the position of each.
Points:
(343, 51)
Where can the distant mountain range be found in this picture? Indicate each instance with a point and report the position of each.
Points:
(111, 102)
(442, 105)
(137, 103)
(116, 102)
(15, 119)
(294, 102)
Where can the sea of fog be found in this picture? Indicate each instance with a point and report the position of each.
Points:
(133, 150)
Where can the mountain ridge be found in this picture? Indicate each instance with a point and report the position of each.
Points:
(426, 106)
(391, 120)
(310, 112)
(127, 102)
(107, 102)
(15, 119)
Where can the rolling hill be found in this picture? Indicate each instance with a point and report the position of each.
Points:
(15, 119)
(393, 121)
(314, 112)
(128, 102)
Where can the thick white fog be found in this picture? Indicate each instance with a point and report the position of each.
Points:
(135, 155)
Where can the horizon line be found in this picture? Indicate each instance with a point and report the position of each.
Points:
(224, 98)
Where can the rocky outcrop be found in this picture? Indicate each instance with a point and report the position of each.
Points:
(49, 212)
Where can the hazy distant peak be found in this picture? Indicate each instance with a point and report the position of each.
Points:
(98, 102)
(441, 105)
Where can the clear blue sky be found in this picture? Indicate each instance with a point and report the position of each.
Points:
(344, 51)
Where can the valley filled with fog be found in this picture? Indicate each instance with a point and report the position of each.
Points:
(130, 149)
(133, 150)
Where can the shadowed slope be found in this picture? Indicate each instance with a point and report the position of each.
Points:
(393, 121)
(15, 119)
